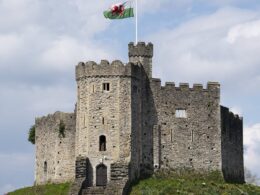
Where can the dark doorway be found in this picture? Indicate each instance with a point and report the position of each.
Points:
(101, 175)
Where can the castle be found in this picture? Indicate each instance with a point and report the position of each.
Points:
(126, 124)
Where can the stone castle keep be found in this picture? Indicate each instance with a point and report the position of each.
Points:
(126, 125)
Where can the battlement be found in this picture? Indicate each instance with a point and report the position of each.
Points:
(235, 116)
(54, 118)
(141, 49)
(104, 68)
(185, 86)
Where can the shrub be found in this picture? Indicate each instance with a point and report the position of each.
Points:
(62, 128)
(31, 135)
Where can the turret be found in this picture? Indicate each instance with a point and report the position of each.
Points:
(142, 53)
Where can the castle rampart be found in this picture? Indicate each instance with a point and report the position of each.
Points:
(55, 148)
(188, 121)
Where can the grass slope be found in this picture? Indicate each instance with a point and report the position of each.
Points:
(49, 189)
(191, 184)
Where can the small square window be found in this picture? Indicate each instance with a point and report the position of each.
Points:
(106, 87)
(181, 113)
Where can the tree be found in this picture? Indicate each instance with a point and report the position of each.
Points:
(31, 135)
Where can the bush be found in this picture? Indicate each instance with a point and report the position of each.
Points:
(62, 128)
(31, 135)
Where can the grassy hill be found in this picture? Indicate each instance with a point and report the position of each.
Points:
(49, 189)
(191, 184)
(164, 184)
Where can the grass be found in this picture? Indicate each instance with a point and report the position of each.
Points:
(191, 184)
(49, 189)
(163, 183)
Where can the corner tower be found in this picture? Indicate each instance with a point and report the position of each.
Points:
(143, 54)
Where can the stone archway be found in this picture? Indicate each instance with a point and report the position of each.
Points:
(101, 175)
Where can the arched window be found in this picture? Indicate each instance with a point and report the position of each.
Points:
(45, 167)
(102, 143)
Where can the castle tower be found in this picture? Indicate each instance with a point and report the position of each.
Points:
(108, 103)
(142, 53)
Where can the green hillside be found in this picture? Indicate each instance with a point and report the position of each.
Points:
(191, 184)
(163, 184)
(49, 189)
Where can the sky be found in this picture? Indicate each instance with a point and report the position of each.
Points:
(41, 41)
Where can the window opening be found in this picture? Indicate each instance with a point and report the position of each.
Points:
(102, 143)
(45, 167)
(192, 135)
(171, 135)
(106, 87)
(181, 113)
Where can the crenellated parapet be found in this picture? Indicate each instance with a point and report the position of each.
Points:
(140, 49)
(104, 68)
(211, 86)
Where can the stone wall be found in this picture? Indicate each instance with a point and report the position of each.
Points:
(55, 154)
(232, 146)
(193, 141)
(107, 113)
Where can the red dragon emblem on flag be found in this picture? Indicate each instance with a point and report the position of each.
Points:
(118, 9)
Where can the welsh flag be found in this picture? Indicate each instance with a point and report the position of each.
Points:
(119, 11)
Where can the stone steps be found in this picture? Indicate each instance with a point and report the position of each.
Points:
(94, 191)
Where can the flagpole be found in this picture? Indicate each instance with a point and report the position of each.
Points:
(136, 22)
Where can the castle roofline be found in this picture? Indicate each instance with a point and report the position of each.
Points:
(105, 68)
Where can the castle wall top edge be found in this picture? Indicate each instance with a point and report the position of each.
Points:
(231, 114)
(185, 86)
(57, 114)
(141, 49)
(105, 68)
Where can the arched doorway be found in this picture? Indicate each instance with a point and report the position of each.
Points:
(101, 173)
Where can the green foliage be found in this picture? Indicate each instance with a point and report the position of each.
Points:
(62, 128)
(192, 183)
(49, 189)
(31, 135)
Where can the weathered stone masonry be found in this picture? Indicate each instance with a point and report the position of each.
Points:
(126, 124)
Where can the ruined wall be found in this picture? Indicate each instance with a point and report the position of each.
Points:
(191, 142)
(55, 154)
(108, 113)
(232, 146)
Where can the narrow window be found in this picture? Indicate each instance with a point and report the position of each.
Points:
(192, 135)
(93, 86)
(45, 167)
(103, 120)
(106, 87)
(181, 113)
(172, 135)
(102, 143)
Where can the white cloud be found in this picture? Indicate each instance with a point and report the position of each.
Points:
(9, 45)
(247, 30)
(198, 50)
(67, 51)
(252, 152)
